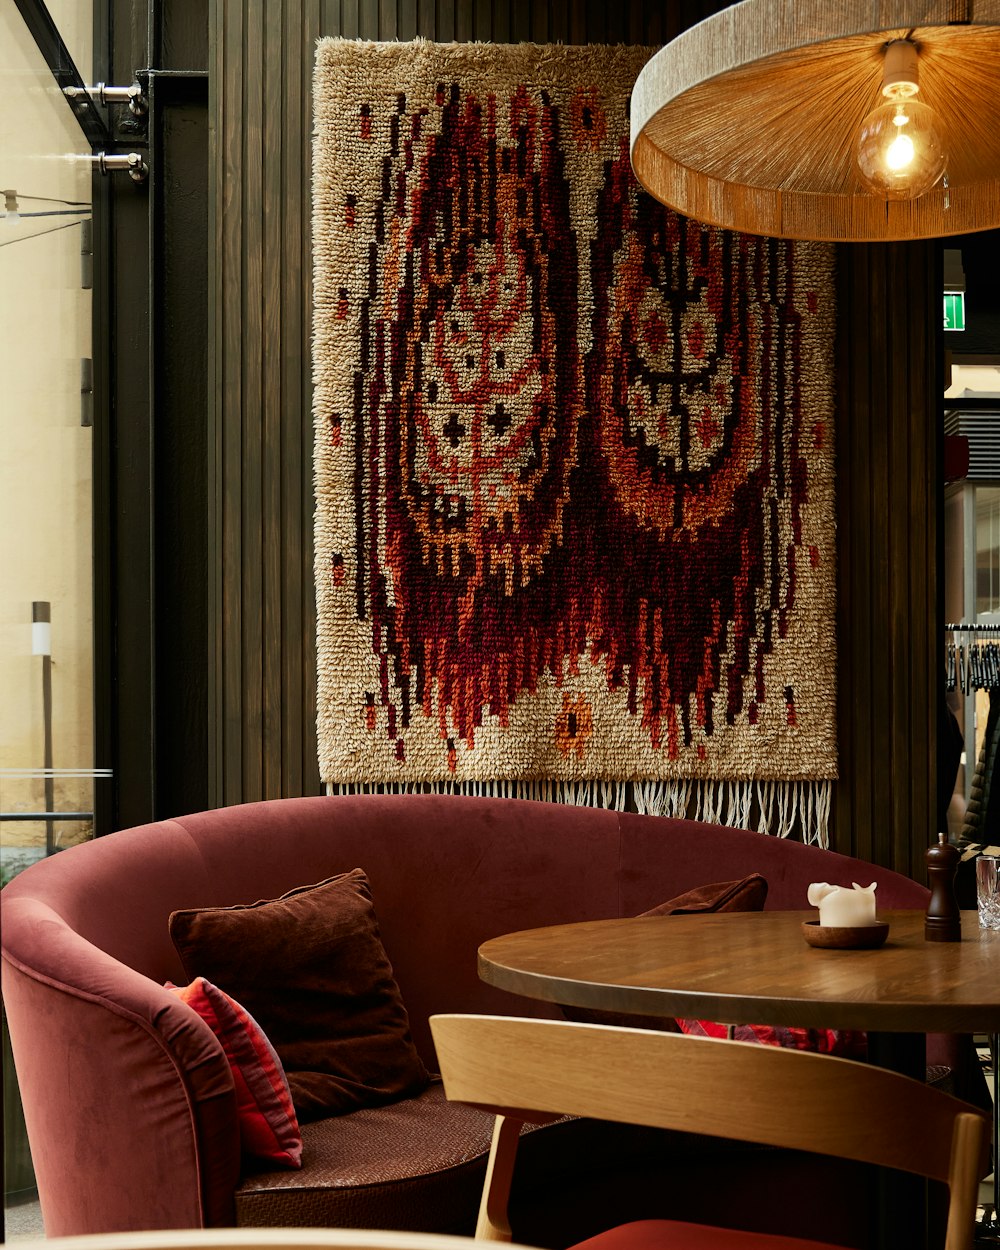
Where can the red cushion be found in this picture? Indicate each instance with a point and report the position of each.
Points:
(678, 1235)
(269, 1128)
(846, 1043)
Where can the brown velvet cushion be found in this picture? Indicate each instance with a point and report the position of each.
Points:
(311, 969)
(747, 894)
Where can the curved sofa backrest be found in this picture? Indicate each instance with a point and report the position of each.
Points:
(446, 872)
(700, 853)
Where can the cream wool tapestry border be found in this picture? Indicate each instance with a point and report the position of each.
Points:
(574, 453)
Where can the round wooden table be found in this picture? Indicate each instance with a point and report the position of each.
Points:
(756, 968)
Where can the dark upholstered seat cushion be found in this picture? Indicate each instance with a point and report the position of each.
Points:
(417, 1164)
(311, 970)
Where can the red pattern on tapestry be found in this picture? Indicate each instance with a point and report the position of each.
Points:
(527, 503)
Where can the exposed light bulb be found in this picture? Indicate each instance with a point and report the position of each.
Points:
(901, 154)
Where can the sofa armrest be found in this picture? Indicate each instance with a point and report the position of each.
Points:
(128, 1098)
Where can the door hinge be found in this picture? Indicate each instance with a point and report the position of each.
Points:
(86, 391)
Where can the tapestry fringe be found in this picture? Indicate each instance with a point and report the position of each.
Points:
(780, 808)
(609, 794)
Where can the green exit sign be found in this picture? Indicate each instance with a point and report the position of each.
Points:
(954, 310)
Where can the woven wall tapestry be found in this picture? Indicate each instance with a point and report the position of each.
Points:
(574, 453)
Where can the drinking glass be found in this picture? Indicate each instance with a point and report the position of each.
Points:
(988, 891)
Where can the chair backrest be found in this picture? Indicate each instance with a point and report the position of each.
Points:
(258, 1239)
(528, 1070)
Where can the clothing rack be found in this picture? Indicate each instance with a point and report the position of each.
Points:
(973, 656)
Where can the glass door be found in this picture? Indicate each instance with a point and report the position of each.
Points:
(47, 765)
(46, 470)
(972, 531)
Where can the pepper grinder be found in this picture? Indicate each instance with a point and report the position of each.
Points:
(943, 921)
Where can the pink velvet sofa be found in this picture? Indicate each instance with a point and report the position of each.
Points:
(127, 1095)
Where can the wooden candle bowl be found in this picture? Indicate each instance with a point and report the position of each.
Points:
(857, 937)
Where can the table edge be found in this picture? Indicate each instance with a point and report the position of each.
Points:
(946, 1017)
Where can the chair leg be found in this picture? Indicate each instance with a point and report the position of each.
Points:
(493, 1223)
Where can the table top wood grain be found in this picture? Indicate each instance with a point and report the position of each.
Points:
(756, 968)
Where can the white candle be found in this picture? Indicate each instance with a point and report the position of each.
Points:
(842, 908)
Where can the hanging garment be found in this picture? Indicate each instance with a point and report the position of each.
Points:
(982, 816)
(950, 744)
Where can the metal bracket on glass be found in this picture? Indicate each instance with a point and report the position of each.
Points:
(131, 163)
(133, 96)
(86, 391)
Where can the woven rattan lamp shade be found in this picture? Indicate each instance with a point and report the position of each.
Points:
(749, 120)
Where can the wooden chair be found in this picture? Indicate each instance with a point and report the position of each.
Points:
(533, 1071)
(255, 1239)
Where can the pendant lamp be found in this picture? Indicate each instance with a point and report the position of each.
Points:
(814, 119)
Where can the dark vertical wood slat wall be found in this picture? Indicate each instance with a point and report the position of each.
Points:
(272, 411)
(254, 522)
(924, 489)
(219, 322)
(904, 462)
(887, 504)
(261, 637)
(873, 508)
(921, 506)
(294, 621)
(226, 673)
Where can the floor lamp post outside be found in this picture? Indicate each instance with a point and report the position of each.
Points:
(41, 644)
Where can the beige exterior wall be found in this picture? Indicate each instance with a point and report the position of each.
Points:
(45, 452)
